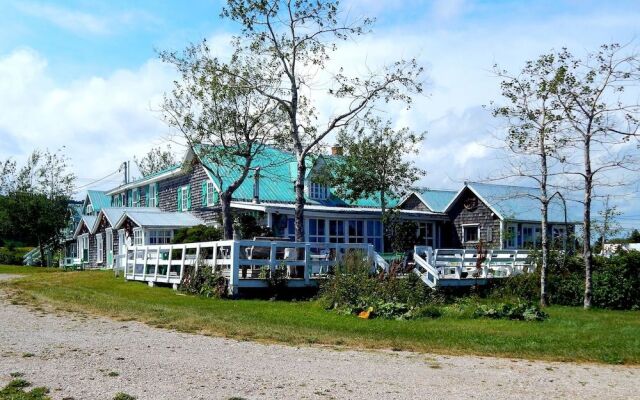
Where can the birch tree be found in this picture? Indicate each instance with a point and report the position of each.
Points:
(226, 123)
(533, 139)
(288, 46)
(599, 97)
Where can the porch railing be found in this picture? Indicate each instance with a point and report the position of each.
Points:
(243, 261)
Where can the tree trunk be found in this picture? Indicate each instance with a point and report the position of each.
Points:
(227, 218)
(586, 232)
(545, 251)
(41, 247)
(300, 200)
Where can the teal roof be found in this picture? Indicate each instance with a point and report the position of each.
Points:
(519, 203)
(98, 199)
(277, 175)
(437, 200)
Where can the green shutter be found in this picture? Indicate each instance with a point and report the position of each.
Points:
(130, 198)
(216, 196)
(204, 194)
(157, 199)
(188, 197)
(179, 199)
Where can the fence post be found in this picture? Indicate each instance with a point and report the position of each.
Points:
(197, 259)
(155, 272)
(215, 256)
(184, 254)
(272, 258)
(235, 264)
(169, 262)
(144, 263)
(307, 262)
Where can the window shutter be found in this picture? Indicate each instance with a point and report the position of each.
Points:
(204, 194)
(157, 200)
(216, 196)
(188, 197)
(179, 199)
(130, 198)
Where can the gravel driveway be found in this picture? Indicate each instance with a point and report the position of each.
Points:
(83, 357)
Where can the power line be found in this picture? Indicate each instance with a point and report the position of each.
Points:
(77, 189)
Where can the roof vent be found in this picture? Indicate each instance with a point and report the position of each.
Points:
(256, 186)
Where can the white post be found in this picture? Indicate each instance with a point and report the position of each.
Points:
(235, 264)
(144, 263)
(272, 258)
(197, 258)
(155, 273)
(169, 262)
(215, 257)
(184, 254)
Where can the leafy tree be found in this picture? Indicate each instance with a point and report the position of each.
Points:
(634, 237)
(533, 138)
(599, 98)
(607, 226)
(227, 124)
(155, 160)
(34, 210)
(284, 45)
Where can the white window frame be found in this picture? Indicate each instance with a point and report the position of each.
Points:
(318, 191)
(151, 193)
(89, 209)
(511, 241)
(109, 242)
(360, 235)
(159, 236)
(210, 191)
(99, 248)
(464, 233)
(138, 237)
(183, 200)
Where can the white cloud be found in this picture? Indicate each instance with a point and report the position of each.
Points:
(101, 121)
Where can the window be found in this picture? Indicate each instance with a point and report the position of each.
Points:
(511, 237)
(123, 199)
(318, 191)
(291, 229)
(211, 194)
(336, 231)
(425, 234)
(316, 230)
(470, 233)
(160, 236)
(136, 197)
(184, 198)
(89, 209)
(151, 195)
(138, 237)
(356, 231)
(99, 248)
(374, 234)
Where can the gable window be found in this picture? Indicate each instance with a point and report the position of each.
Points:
(211, 200)
(318, 191)
(99, 248)
(89, 209)
(185, 196)
(138, 237)
(470, 233)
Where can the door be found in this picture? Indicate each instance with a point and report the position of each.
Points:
(109, 247)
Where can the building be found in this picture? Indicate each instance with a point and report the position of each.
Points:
(149, 210)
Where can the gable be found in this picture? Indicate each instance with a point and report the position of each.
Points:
(413, 202)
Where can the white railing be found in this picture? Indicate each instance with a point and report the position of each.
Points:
(242, 261)
(433, 265)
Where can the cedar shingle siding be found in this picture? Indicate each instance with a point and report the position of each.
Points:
(481, 214)
(414, 203)
(195, 177)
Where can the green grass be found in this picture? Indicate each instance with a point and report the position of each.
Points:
(571, 334)
(15, 390)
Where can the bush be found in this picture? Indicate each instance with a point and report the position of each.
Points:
(616, 282)
(246, 227)
(203, 282)
(11, 255)
(353, 290)
(199, 233)
(519, 311)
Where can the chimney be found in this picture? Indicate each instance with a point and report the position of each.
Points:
(256, 186)
(336, 150)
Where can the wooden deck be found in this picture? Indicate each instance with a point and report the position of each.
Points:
(245, 263)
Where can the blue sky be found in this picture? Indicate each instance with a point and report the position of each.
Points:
(84, 74)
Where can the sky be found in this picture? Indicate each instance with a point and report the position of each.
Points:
(85, 74)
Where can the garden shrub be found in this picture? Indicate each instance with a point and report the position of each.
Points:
(12, 255)
(352, 289)
(518, 311)
(203, 282)
(198, 233)
(616, 282)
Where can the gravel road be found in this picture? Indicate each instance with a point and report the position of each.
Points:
(83, 357)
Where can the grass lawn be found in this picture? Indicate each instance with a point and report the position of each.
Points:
(571, 334)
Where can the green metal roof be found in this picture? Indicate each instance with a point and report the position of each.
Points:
(437, 200)
(98, 200)
(519, 203)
